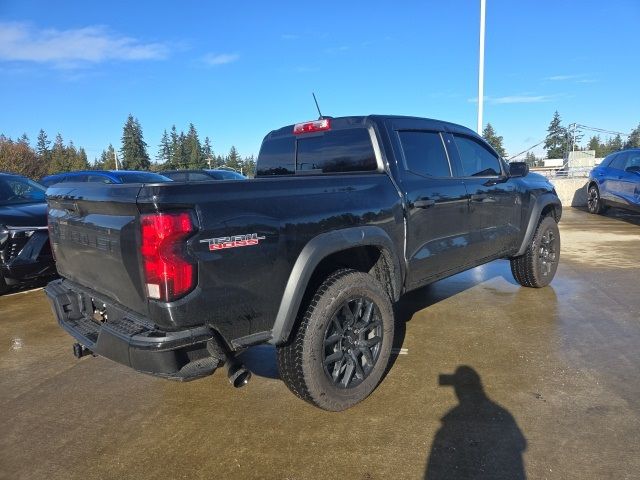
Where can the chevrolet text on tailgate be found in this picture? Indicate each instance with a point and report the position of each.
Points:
(344, 216)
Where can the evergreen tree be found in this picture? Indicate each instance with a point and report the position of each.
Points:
(181, 157)
(249, 166)
(234, 160)
(134, 149)
(634, 138)
(556, 142)
(530, 159)
(175, 148)
(42, 145)
(493, 139)
(614, 144)
(207, 150)
(193, 149)
(58, 161)
(80, 161)
(24, 140)
(594, 144)
(107, 159)
(164, 150)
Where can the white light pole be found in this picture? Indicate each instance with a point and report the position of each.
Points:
(483, 5)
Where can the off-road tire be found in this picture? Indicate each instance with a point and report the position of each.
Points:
(4, 288)
(534, 269)
(594, 201)
(300, 360)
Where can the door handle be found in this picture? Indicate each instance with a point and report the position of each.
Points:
(479, 197)
(424, 203)
(601, 174)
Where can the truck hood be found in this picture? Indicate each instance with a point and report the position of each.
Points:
(24, 215)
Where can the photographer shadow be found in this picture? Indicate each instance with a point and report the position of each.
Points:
(478, 438)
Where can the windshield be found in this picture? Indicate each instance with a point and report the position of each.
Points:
(140, 177)
(15, 190)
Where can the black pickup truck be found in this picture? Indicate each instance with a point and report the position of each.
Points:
(345, 215)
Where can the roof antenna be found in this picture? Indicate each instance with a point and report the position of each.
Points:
(317, 106)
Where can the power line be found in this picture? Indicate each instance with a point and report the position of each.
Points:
(602, 130)
(578, 126)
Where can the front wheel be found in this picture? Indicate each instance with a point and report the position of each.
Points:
(341, 348)
(537, 267)
(594, 201)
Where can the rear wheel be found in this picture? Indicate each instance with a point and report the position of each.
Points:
(594, 201)
(537, 267)
(341, 348)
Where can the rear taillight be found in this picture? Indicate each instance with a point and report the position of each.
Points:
(314, 126)
(168, 273)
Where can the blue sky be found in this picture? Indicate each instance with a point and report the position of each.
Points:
(239, 69)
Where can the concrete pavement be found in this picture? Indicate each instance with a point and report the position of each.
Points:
(546, 385)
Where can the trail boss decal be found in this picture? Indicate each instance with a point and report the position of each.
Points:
(233, 242)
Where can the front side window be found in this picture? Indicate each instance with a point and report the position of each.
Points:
(424, 153)
(14, 190)
(477, 160)
(336, 151)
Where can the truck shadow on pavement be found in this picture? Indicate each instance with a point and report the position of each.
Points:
(478, 438)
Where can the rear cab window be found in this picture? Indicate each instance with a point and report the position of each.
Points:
(336, 151)
(345, 150)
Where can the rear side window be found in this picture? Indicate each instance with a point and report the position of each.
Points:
(633, 162)
(477, 160)
(277, 157)
(336, 151)
(424, 153)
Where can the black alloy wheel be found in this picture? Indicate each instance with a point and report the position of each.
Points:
(352, 342)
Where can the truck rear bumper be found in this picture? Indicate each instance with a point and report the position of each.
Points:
(126, 338)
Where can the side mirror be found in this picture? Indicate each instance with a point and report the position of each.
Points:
(633, 169)
(518, 169)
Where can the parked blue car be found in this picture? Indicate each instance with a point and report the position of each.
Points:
(615, 182)
(105, 176)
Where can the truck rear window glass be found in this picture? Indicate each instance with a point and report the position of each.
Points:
(277, 157)
(424, 153)
(336, 151)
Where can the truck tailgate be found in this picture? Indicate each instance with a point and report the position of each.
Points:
(94, 232)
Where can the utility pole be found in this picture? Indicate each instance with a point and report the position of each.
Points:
(483, 5)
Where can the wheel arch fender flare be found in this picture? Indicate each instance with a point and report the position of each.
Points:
(539, 205)
(310, 257)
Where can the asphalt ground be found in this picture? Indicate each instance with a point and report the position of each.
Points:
(546, 385)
